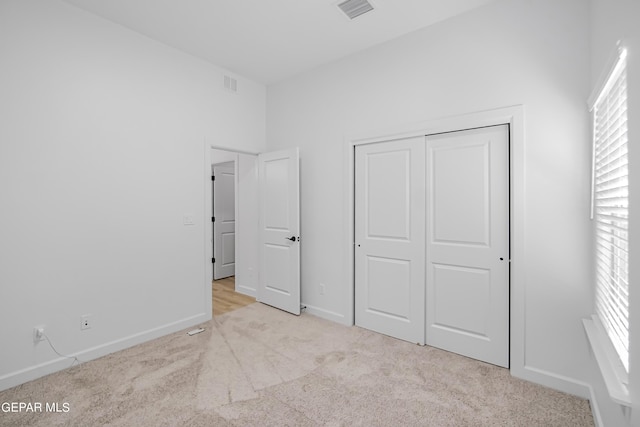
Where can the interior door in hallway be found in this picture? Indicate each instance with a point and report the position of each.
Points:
(279, 223)
(389, 238)
(224, 224)
(468, 243)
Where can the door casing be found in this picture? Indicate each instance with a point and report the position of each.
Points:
(208, 213)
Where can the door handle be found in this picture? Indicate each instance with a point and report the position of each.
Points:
(292, 238)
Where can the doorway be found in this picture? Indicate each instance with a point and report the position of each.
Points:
(431, 250)
(267, 234)
(231, 239)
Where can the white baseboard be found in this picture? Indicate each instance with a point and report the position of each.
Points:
(595, 408)
(246, 291)
(326, 314)
(554, 381)
(33, 372)
(564, 384)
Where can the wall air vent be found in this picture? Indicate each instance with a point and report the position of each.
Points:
(230, 84)
(355, 8)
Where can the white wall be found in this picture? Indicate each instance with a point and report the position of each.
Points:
(102, 148)
(613, 20)
(507, 53)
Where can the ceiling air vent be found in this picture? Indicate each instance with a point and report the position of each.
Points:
(355, 8)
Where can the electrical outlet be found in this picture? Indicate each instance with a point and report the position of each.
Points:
(322, 289)
(38, 334)
(85, 322)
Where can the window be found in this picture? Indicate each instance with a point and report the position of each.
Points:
(610, 208)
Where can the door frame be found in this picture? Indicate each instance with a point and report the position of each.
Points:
(208, 213)
(514, 117)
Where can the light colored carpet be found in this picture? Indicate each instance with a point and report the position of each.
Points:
(258, 366)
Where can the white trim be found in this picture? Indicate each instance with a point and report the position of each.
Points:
(593, 167)
(245, 290)
(565, 385)
(236, 223)
(613, 373)
(326, 314)
(233, 150)
(22, 376)
(613, 63)
(514, 116)
(555, 381)
(208, 232)
(595, 408)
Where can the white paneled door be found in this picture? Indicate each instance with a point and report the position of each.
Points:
(468, 243)
(279, 223)
(432, 241)
(224, 221)
(390, 238)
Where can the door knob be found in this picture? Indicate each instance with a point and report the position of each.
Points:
(292, 238)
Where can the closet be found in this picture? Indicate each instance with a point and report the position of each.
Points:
(432, 240)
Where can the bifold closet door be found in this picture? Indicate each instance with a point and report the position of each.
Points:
(390, 238)
(468, 243)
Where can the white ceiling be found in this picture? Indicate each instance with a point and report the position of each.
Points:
(271, 40)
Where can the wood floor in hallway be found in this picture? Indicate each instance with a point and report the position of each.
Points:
(225, 298)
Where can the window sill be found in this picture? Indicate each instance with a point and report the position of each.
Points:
(614, 375)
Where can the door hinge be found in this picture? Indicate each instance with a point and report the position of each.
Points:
(213, 219)
(213, 178)
(213, 260)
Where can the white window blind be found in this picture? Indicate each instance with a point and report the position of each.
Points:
(610, 209)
